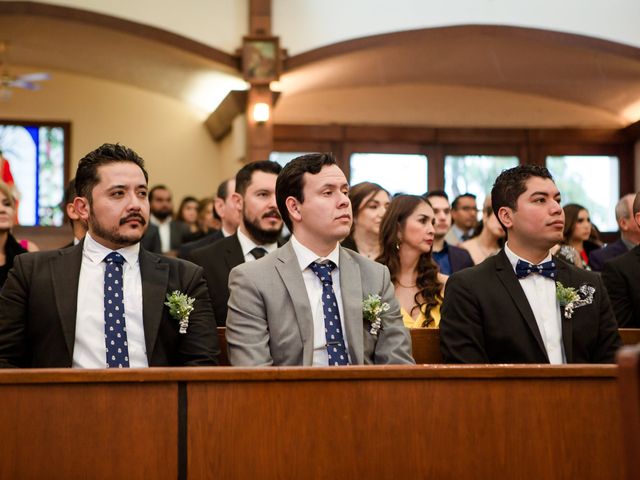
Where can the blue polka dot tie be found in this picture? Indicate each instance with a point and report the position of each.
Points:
(332, 327)
(115, 330)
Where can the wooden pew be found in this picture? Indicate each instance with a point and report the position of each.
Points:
(426, 343)
(629, 393)
(396, 422)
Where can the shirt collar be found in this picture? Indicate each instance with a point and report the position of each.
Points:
(157, 222)
(96, 252)
(628, 243)
(247, 244)
(306, 256)
(513, 258)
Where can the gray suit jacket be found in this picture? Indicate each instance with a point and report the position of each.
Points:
(269, 321)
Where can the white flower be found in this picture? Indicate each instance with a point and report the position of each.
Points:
(372, 308)
(180, 307)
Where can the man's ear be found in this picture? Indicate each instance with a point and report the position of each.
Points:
(637, 218)
(82, 208)
(505, 215)
(293, 207)
(237, 200)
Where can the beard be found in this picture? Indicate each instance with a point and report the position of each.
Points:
(114, 236)
(259, 234)
(161, 215)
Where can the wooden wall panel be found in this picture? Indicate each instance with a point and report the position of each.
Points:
(96, 431)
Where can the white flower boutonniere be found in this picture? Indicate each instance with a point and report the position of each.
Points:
(180, 307)
(570, 298)
(372, 308)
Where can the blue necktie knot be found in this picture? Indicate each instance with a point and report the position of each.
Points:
(114, 257)
(323, 271)
(546, 269)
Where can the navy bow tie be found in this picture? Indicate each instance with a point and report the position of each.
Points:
(546, 269)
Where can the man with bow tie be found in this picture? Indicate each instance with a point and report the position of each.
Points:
(523, 305)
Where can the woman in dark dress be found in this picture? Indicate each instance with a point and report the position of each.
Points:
(9, 246)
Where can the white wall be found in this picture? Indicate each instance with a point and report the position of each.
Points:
(218, 23)
(307, 24)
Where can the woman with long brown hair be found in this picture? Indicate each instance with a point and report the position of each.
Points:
(369, 201)
(406, 240)
(576, 245)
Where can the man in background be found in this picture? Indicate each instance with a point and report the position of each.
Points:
(171, 232)
(629, 235)
(257, 235)
(464, 213)
(226, 210)
(449, 258)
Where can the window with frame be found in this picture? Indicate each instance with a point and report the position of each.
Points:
(592, 181)
(474, 174)
(396, 172)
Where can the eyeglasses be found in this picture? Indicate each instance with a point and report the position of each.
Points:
(468, 209)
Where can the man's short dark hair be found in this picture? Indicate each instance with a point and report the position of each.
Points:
(155, 189)
(223, 189)
(512, 183)
(245, 174)
(454, 204)
(436, 193)
(290, 181)
(87, 172)
(69, 195)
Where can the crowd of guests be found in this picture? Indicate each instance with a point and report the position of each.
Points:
(304, 270)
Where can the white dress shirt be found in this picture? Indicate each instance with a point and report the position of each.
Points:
(89, 349)
(313, 286)
(541, 294)
(247, 245)
(164, 229)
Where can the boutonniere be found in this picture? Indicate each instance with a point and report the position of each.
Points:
(372, 308)
(570, 298)
(180, 307)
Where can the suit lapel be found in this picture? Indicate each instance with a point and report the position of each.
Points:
(155, 278)
(511, 284)
(289, 270)
(565, 277)
(65, 273)
(234, 256)
(351, 287)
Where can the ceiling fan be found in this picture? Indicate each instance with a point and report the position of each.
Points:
(8, 81)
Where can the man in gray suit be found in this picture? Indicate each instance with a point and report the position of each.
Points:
(303, 303)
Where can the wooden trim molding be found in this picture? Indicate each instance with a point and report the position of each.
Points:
(536, 34)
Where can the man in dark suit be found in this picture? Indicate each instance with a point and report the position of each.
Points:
(629, 235)
(449, 258)
(226, 209)
(258, 233)
(622, 279)
(509, 309)
(101, 303)
(171, 232)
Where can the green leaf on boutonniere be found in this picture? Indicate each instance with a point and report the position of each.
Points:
(566, 295)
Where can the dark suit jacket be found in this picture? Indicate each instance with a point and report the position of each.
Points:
(486, 318)
(459, 258)
(597, 258)
(621, 276)
(186, 248)
(218, 259)
(38, 311)
(151, 239)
